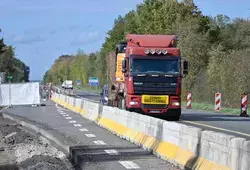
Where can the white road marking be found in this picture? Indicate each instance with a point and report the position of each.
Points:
(77, 125)
(83, 130)
(72, 121)
(90, 135)
(99, 142)
(129, 164)
(111, 152)
(216, 128)
(68, 118)
(66, 115)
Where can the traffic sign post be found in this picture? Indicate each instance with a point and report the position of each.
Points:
(9, 78)
(93, 82)
(78, 82)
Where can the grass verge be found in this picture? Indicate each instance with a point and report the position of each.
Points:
(198, 106)
(210, 107)
(90, 89)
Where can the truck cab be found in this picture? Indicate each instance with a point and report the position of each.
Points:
(153, 70)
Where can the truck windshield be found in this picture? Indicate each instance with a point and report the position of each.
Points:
(166, 66)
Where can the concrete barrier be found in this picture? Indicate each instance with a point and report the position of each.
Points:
(78, 103)
(186, 146)
(92, 110)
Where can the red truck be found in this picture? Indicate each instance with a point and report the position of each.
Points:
(145, 75)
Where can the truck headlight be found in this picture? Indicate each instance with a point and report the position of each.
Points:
(176, 103)
(133, 103)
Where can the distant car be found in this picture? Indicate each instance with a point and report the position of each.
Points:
(104, 95)
(68, 84)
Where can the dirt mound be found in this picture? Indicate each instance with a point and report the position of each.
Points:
(27, 151)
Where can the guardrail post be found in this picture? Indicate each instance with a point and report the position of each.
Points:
(243, 112)
(217, 102)
(189, 100)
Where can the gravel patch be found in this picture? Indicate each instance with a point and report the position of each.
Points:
(20, 150)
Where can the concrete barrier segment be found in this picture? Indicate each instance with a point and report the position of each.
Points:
(187, 146)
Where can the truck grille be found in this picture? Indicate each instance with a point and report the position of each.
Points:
(155, 85)
(154, 106)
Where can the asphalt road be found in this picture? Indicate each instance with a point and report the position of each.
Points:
(226, 123)
(97, 148)
(80, 94)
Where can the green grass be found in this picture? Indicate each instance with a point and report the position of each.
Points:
(198, 106)
(90, 89)
(210, 107)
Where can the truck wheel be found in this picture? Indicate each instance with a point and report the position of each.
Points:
(173, 115)
(119, 104)
(123, 103)
(174, 118)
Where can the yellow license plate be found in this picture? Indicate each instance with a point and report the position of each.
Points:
(149, 99)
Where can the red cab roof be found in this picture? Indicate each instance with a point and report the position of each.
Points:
(160, 41)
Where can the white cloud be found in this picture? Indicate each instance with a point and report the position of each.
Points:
(87, 38)
(25, 39)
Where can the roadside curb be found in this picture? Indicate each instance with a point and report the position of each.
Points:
(55, 137)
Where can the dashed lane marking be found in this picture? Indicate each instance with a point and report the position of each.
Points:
(68, 118)
(99, 142)
(66, 115)
(77, 125)
(129, 164)
(72, 121)
(83, 130)
(111, 152)
(90, 135)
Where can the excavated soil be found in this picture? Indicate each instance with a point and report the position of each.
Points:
(20, 150)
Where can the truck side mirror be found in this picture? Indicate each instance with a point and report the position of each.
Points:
(185, 67)
(113, 87)
(124, 66)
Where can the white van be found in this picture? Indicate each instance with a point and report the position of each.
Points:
(68, 84)
(63, 85)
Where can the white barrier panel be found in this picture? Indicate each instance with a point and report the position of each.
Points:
(21, 94)
(92, 109)
(178, 143)
(78, 103)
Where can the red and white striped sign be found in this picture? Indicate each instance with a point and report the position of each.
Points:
(217, 102)
(189, 100)
(50, 94)
(72, 92)
(244, 105)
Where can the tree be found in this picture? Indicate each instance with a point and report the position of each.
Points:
(11, 65)
(2, 45)
(217, 48)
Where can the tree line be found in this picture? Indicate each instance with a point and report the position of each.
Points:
(11, 65)
(217, 49)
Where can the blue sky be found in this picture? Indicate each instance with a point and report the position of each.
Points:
(43, 30)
